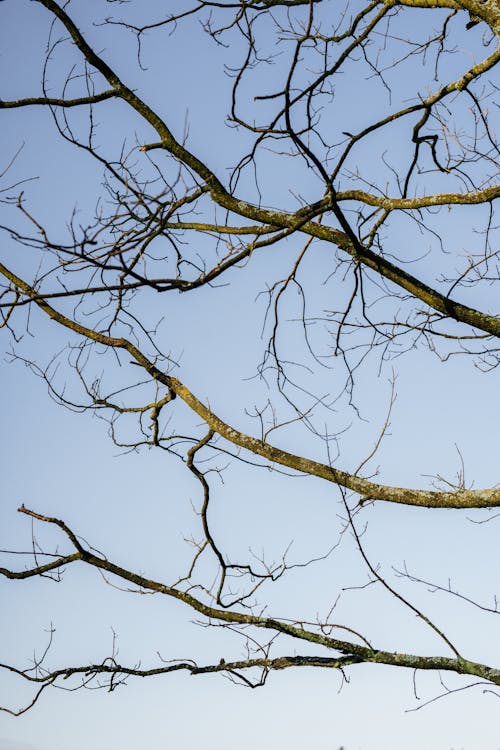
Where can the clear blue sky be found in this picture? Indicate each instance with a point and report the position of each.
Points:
(136, 507)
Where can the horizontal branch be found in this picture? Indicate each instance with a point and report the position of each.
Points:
(110, 667)
(473, 197)
(390, 203)
(488, 11)
(354, 652)
(55, 102)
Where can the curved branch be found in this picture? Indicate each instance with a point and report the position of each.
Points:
(463, 499)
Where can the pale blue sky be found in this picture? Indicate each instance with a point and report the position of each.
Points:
(136, 507)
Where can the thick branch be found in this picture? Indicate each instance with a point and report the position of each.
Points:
(483, 498)
(431, 297)
(473, 197)
(360, 652)
(486, 10)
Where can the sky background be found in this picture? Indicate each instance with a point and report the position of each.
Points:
(136, 507)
